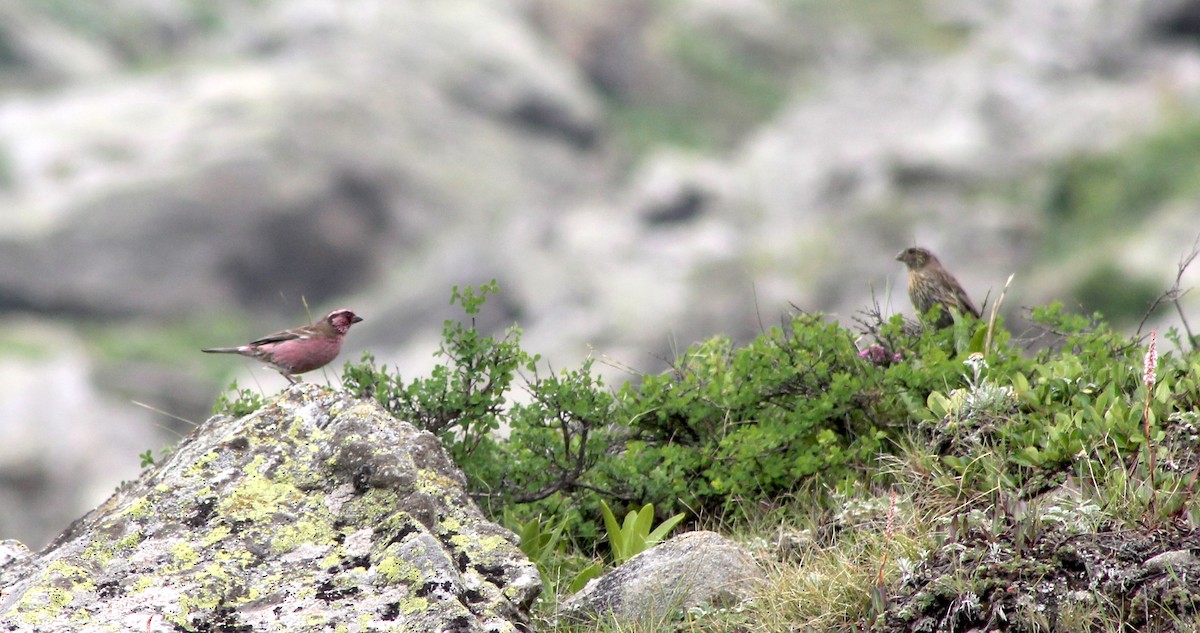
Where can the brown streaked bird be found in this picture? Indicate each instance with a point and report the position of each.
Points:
(301, 349)
(929, 284)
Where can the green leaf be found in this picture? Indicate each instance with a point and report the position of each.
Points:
(588, 573)
(616, 538)
(643, 521)
(977, 340)
(939, 405)
(663, 529)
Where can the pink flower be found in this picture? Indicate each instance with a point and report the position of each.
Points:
(879, 355)
(1150, 364)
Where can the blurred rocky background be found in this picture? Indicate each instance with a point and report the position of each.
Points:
(637, 175)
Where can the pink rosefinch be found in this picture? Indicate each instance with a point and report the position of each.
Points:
(929, 284)
(301, 349)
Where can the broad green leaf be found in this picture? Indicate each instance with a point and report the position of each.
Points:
(663, 528)
(588, 573)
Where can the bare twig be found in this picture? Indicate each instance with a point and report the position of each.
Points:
(169, 415)
(1175, 293)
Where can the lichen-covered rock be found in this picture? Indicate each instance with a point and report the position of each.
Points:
(319, 512)
(696, 569)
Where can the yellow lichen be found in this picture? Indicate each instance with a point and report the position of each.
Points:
(131, 540)
(217, 534)
(79, 577)
(143, 583)
(256, 498)
(42, 604)
(209, 593)
(305, 592)
(184, 555)
(289, 537)
(197, 468)
(478, 544)
(138, 509)
(101, 552)
(255, 465)
(397, 570)
(332, 559)
(414, 605)
(239, 557)
(254, 593)
(187, 602)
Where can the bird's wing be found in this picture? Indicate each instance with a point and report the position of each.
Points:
(286, 335)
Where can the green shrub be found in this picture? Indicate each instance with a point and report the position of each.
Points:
(462, 400)
(536, 458)
(731, 427)
(1076, 410)
(242, 402)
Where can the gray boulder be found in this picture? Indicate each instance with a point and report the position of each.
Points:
(696, 569)
(318, 512)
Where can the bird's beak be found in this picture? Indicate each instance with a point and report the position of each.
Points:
(356, 319)
(900, 256)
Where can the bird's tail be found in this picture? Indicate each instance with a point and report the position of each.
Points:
(223, 350)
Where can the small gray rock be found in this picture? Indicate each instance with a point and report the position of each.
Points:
(696, 569)
(1169, 560)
